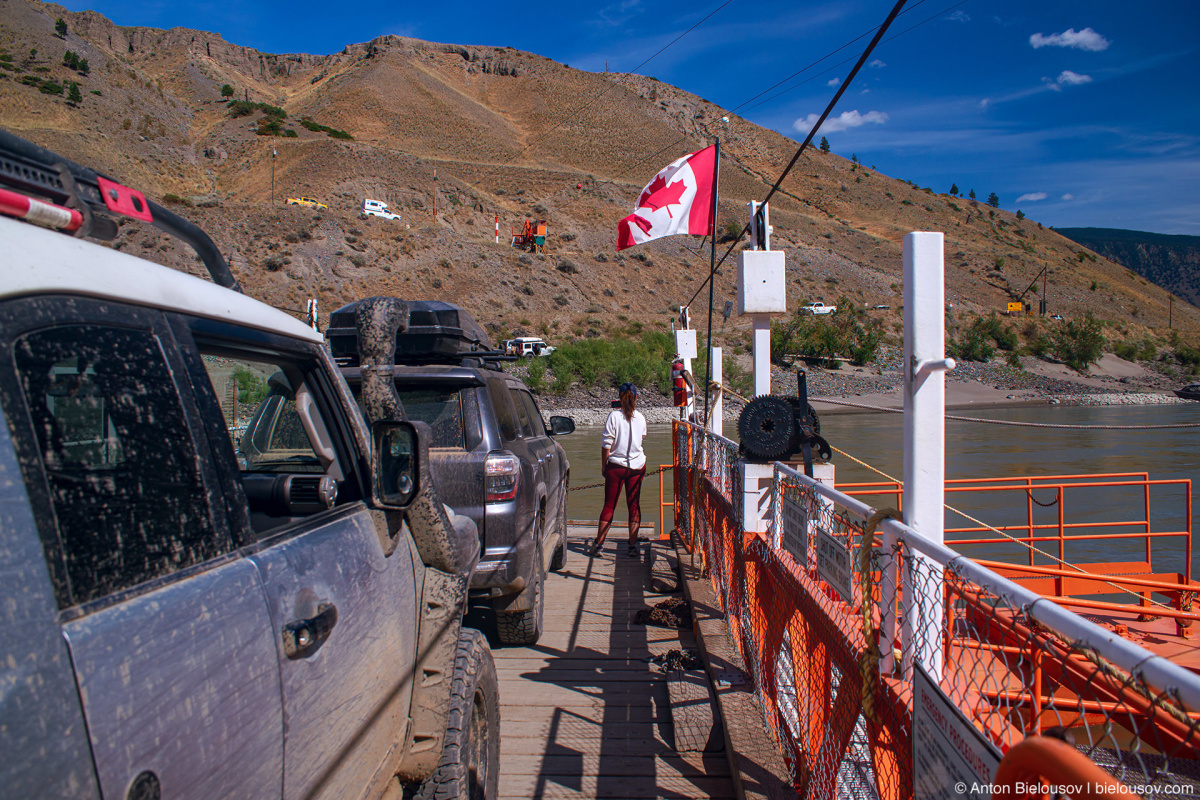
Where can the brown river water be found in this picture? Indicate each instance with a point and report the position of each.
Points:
(975, 450)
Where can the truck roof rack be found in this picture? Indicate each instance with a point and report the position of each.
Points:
(46, 188)
(437, 333)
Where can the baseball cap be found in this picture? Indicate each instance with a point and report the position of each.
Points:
(627, 387)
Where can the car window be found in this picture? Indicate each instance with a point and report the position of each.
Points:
(122, 469)
(539, 422)
(522, 414)
(505, 419)
(442, 409)
(258, 402)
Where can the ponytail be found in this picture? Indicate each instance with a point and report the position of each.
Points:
(627, 402)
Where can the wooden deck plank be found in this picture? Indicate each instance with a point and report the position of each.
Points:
(583, 712)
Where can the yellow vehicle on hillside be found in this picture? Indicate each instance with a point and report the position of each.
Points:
(306, 201)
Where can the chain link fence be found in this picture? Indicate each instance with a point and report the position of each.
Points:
(892, 667)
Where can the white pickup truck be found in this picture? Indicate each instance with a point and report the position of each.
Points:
(377, 208)
(816, 308)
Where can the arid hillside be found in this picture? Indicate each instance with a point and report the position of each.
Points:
(451, 137)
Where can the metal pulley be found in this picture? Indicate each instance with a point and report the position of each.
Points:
(767, 428)
(776, 428)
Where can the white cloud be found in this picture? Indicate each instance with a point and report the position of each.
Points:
(865, 91)
(959, 16)
(877, 64)
(1086, 39)
(1068, 196)
(984, 103)
(842, 122)
(833, 81)
(1069, 78)
(1032, 197)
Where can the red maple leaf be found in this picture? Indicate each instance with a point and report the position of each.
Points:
(659, 195)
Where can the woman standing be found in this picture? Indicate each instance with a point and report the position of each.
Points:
(623, 465)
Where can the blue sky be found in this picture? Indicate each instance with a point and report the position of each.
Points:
(1078, 113)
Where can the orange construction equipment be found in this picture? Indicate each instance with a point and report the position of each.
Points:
(531, 236)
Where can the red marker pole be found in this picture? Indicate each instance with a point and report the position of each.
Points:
(497, 229)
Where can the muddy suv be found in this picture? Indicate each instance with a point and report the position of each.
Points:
(493, 454)
(187, 611)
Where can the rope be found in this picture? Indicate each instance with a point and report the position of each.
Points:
(1011, 538)
(1016, 424)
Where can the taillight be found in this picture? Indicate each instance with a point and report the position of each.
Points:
(501, 474)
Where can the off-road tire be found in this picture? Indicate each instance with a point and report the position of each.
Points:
(470, 764)
(525, 627)
(559, 559)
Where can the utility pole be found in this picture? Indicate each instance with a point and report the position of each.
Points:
(272, 176)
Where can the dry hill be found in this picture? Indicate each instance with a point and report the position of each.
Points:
(451, 136)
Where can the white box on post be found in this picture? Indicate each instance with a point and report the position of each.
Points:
(685, 344)
(762, 285)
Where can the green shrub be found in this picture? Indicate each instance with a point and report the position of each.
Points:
(251, 388)
(848, 333)
(1078, 343)
(226, 90)
(1187, 357)
(536, 379)
(50, 87)
(316, 127)
(979, 341)
(645, 361)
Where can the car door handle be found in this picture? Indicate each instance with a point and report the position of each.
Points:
(303, 637)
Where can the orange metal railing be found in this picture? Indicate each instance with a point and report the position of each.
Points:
(831, 675)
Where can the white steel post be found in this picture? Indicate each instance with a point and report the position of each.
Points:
(714, 424)
(762, 354)
(925, 363)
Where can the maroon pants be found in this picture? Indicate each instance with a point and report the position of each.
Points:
(631, 479)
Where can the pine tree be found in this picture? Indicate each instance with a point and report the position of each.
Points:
(993, 200)
(954, 189)
(82, 66)
(227, 91)
(824, 145)
(1020, 214)
(60, 27)
(74, 96)
(972, 194)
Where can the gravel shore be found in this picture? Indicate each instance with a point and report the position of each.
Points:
(1112, 381)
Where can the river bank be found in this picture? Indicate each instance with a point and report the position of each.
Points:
(1112, 381)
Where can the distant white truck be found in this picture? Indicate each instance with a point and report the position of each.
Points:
(377, 208)
(816, 308)
(527, 346)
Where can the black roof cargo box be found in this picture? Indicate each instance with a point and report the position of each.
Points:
(437, 333)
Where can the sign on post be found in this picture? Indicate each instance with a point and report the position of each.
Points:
(951, 759)
(795, 528)
(834, 565)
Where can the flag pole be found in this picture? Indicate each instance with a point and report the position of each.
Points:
(712, 268)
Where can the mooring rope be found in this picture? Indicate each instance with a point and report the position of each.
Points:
(1015, 423)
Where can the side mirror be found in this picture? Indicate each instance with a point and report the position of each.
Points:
(560, 426)
(394, 463)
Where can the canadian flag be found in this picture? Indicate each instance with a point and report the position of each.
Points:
(678, 200)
